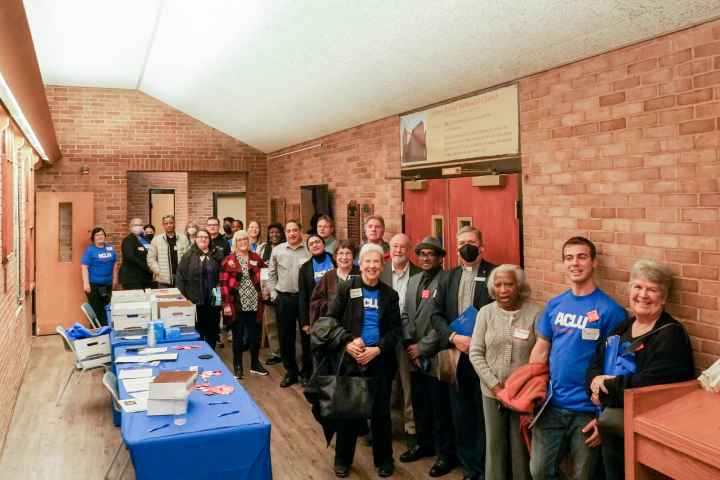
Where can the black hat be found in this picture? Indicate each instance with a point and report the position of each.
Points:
(432, 243)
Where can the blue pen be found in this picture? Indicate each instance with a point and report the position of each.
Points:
(218, 403)
(228, 413)
(154, 429)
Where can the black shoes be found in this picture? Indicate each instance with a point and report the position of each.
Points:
(342, 471)
(442, 466)
(238, 372)
(273, 360)
(416, 452)
(288, 380)
(386, 470)
(258, 369)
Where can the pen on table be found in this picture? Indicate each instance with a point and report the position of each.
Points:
(154, 429)
(218, 403)
(228, 413)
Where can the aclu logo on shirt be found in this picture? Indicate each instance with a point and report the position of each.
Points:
(570, 320)
(370, 303)
(105, 255)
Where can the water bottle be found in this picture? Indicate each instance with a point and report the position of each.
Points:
(151, 334)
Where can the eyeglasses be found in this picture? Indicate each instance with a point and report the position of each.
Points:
(427, 254)
(202, 237)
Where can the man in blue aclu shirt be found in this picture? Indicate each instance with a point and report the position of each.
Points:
(567, 334)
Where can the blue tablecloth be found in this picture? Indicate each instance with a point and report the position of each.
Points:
(207, 446)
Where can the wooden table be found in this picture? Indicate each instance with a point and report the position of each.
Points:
(674, 430)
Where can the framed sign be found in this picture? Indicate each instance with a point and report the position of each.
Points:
(485, 125)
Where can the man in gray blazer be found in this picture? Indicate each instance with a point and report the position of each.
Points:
(430, 396)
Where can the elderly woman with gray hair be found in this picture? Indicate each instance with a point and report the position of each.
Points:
(503, 337)
(656, 342)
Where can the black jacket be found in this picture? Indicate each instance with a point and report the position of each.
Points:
(134, 268)
(445, 306)
(188, 278)
(349, 314)
(220, 248)
(662, 357)
(306, 285)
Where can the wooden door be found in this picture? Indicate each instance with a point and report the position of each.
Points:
(230, 205)
(491, 209)
(162, 202)
(426, 212)
(64, 223)
(442, 206)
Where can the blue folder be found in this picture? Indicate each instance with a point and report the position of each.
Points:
(465, 322)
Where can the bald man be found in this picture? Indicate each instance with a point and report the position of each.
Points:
(397, 273)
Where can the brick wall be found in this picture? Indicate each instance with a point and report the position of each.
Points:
(114, 131)
(360, 163)
(139, 185)
(16, 334)
(623, 148)
(203, 185)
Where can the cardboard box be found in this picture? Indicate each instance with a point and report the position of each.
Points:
(93, 351)
(176, 313)
(131, 315)
(154, 293)
(172, 384)
(125, 296)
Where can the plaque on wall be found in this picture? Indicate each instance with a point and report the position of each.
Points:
(484, 125)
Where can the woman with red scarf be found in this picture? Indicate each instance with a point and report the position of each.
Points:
(240, 288)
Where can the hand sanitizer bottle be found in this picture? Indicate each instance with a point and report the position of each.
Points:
(151, 334)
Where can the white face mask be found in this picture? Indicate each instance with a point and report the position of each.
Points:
(137, 230)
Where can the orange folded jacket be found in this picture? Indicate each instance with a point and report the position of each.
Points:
(525, 386)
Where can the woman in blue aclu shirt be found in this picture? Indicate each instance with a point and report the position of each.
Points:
(369, 313)
(98, 272)
(311, 272)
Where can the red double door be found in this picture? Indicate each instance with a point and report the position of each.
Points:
(443, 206)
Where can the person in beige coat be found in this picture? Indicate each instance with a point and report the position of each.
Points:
(503, 337)
(165, 253)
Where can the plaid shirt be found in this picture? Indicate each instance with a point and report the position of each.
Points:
(230, 272)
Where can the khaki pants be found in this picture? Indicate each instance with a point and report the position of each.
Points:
(404, 383)
(271, 329)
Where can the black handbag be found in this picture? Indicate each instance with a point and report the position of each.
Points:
(612, 421)
(344, 397)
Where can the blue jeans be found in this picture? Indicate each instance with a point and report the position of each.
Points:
(557, 433)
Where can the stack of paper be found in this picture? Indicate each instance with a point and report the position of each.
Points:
(169, 392)
(147, 358)
(710, 378)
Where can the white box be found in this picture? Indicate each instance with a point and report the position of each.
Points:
(93, 351)
(167, 407)
(130, 315)
(124, 296)
(154, 293)
(176, 313)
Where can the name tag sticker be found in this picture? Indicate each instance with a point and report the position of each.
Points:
(142, 249)
(108, 248)
(355, 292)
(521, 333)
(479, 279)
(425, 294)
(590, 333)
(264, 274)
(593, 316)
(253, 263)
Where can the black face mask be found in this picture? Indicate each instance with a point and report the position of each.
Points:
(227, 229)
(469, 253)
(149, 237)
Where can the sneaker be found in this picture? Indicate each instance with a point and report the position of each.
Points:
(273, 360)
(258, 369)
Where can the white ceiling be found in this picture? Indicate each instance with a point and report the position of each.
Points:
(273, 73)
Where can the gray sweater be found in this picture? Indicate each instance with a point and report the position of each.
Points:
(501, 342)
